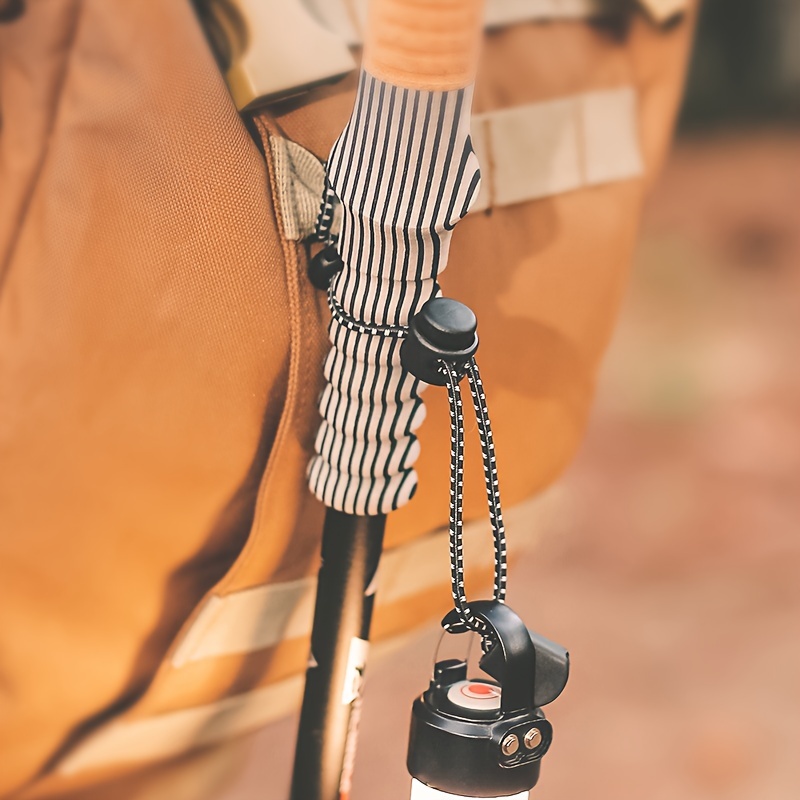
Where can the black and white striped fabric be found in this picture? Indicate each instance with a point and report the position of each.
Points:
(405, 173)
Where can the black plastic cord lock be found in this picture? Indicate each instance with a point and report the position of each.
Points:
(443, 330)
(486, 737)
(324, 266)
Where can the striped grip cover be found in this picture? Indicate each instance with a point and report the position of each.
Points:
(405, 174)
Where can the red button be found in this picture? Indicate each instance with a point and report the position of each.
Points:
(480, 691)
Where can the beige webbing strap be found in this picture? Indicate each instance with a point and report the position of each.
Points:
(526, 153)
(543, 149)
(253, 619)
(263, 616)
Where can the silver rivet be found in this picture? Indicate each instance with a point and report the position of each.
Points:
(533, 738)
(510, 745)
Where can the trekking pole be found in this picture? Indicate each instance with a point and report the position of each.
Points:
(403, 162)
(326, 737)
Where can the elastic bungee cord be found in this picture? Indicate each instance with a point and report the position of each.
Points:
(466, 619)
(323, 230)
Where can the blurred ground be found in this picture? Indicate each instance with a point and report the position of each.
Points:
(672, 570)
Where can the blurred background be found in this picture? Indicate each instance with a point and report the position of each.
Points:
(669, 559)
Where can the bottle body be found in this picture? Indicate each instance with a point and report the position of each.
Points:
(419, 791)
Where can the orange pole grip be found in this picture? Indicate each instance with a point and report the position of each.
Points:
(424, 44)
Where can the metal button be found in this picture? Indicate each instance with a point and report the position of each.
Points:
(533, 738)
(510, 745)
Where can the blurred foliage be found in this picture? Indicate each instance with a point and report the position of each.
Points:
(746, 64)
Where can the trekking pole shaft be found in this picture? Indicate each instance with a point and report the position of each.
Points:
(351, 548)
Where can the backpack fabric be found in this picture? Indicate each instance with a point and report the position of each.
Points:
(160, 364)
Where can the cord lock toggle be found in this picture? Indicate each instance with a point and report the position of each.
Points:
(444, 330)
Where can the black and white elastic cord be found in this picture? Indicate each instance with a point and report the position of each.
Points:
(490, 474)
(467, 619)
(351, 323)
(323, 230)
